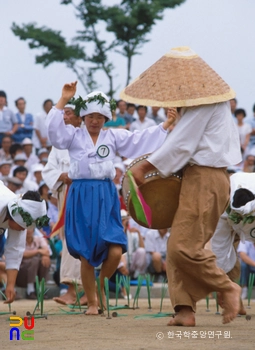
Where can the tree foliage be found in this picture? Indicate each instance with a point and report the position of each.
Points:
(130, 22)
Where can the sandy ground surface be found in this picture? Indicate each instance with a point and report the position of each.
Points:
(125, 332)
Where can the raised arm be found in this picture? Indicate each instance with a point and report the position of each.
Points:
(61, 135)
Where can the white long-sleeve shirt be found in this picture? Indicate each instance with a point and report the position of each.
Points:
(16, 240)
(205, 136)
(58, 163)
(85, 159)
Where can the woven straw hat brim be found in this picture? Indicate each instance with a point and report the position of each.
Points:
(176, 80)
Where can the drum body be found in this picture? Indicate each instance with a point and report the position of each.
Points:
(161, 194)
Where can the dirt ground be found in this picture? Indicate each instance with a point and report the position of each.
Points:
(64, 331)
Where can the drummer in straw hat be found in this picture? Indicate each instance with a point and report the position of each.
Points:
(204, 142)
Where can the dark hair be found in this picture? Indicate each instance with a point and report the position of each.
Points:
(14, 148)
(32, 195)
(240, 111)
(131, 105)
(40, 189)
(253, 108)
(119, 102)
(7, 136)
(18, 99)
(241, 197)
(140, 106)
(46, 101)
(19, 169)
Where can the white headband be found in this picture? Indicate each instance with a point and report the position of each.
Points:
(36, 210)
(96, 106)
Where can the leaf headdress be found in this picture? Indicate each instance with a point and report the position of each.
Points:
(79, 103)
(27, 218)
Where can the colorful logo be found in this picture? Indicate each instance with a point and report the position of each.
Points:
(27, 334)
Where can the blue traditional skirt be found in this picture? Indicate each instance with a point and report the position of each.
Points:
(93, 220)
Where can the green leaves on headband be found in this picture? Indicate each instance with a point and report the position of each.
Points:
(27, 218)
(79, 103)
(237, 218)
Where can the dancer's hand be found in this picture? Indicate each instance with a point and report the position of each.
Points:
(171, 118)
(140, 169)
(69, 91)
(10, 294)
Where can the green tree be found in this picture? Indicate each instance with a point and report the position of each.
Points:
(129, 22)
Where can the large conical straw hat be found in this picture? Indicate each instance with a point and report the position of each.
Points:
(180, 78)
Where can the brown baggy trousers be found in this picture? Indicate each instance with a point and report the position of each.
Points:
(191, 270)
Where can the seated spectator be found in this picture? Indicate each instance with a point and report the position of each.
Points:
(14, 184)
(135, 258)
(131, 110)
(5, 150)
(5, 169)
(142, 122)
(35, 262)
(44, 161)
(8, 120)
(43, 153)
(244, 129)
(154, 115)
(19, 160)
(28, 150)
(25, 122)
(36, 173)
(122, 113)
(249, 164)
(21, 173)
(116, 122)
(156, 246)
(15, 149)
(246, 253)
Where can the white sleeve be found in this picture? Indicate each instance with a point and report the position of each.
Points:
(14, 248)
(242, 247)
(60, 135)
(133, 145)
(52, 171)
(182, 142)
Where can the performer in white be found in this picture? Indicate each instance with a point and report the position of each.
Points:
(16, 214)
(55, 175)
(94, 232)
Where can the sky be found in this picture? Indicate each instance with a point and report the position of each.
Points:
(222, 32)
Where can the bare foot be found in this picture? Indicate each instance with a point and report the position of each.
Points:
(231, 300)
(92, 310)
(66, 299)
(185, 317)
(242, 310)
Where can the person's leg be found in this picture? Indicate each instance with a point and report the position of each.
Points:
(70, 272)
(138, 265)
(191, 269)
(157, 262)
(110, 265)
(88, 281)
